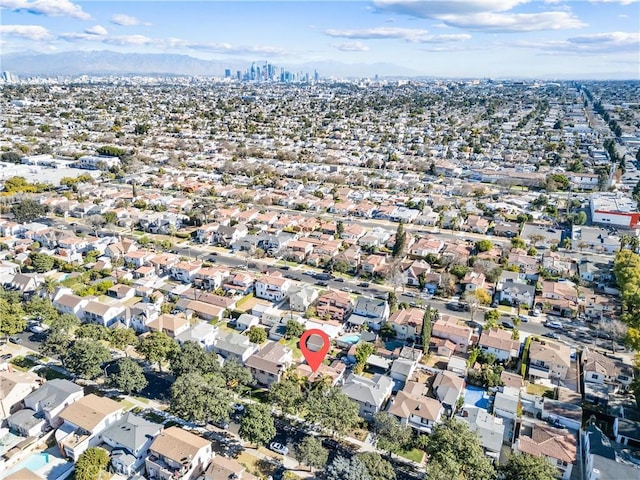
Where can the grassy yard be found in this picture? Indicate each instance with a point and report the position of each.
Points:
(23, 363)
(292, 343)
(142, 399)
(535, 389)
(262, 468)
(127, 405)
(50, 374)
(245, 303)
(414, 454)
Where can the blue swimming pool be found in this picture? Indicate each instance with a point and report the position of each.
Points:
(352, 339)
(47, 465)
(476, 397)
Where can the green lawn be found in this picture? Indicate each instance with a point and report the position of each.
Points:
(22, 363)
(292, 343)
(50, 374)
(534, 389)
(243, 301)
(415, 455)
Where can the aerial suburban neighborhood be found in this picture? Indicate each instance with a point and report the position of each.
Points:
(470, 248)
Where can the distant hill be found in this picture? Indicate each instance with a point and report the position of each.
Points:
(105, 62)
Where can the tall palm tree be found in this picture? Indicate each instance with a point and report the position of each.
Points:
(48, 286)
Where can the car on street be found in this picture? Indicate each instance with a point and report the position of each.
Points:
(554, 324)
(523, 318)
(364, 284)
(550, 335)
(278, 448)
(221, 424)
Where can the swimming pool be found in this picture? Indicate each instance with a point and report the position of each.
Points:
(476, 397)
(352, 339)
(45, 464)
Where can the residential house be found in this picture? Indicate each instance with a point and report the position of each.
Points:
(412, 407)
(448, 388)
(473, 281)
(560, 298)
(27, 423)
(597, 368)
(52, 397)
(476, 224)
(239, 284)
(407, 323)
(202, 333)
(129, 439)
(549, 359)
(370, 394)
(83, 421)
(234, 346)
(70, 303)
(222, 468)
(557, 446)
(507, 403)
(171, 324)
(417, 272)
(525, 263)
(605, 459)
(426, 245)
(176, 453)
(627, 432)
(447, 328)
(334, 372)
(402, 370)
(245, 321)
(334, 304)
(374, 264)
(498, 342)
(517, 293)
(558, 264)
(301, 298)
(370, 311)
(101, 313)
(272, 286)
(185, 272)
(14, 387)
(269, 363)
(488, 428)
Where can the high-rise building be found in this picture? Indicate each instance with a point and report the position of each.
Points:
(227, 73)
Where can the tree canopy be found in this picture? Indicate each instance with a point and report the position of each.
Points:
(311, 452)
(523, 466)
(455, 452)
(90, 463)
(256, 425)
(85, 358)
(195, 397)
(127, 376)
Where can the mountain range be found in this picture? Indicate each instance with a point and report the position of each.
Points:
(105, 62)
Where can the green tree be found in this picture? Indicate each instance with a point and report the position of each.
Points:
(91, 463)
(387, 331)
(157, 347)
(427, 325)
(201, 398)
(311, 452)
(332, 409)
(93, 331)
(523, 466)
(363, 351)
(56, 344)
(85, 358)
(66, 322)
(192, 358)
(256, 425)
(287, 395)
(517, 242)
(41, 262)
(127, 376)
(347, 469)
(27, 210)
(391, 435)
(484, 245)
(42, 308)
(257, 335)
(339, 228)
(459, 271)
(400, 242)
(293, 329)
(491, 317)
(235, 374)
(377, 467)
(120, 338)
(454, 449)
(110, 217)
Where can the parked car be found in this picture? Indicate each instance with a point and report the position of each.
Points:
(238, 407)
(550, 335)
(278, 448)
(523, 318)
(16, 340)
(363, 284)
(6, 356)
(224, 425)
(554, 324)
(508, 324)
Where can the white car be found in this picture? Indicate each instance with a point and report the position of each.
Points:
(38, 328)
(278, 448)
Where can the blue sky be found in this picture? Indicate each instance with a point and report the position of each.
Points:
(471, 38)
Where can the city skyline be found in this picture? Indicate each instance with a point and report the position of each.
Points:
(454, 38)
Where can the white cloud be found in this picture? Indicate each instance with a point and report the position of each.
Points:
(50, 8)
(515, 22)
(592, 44)
(31, 32)
(128, 40)
(621, 2)
(413, 35)
(124, 20)
(489, 15)
(96, 30)
(351, 47)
